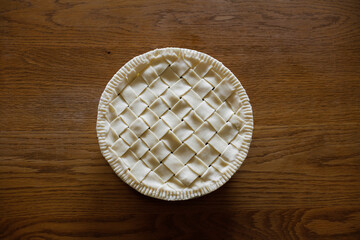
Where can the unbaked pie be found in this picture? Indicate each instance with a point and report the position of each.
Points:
(174, 123)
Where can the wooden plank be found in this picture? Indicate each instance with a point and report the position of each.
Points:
(222, 224)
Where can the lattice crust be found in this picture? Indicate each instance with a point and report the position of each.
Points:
(174, 123)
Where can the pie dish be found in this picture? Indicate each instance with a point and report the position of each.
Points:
(174, 123)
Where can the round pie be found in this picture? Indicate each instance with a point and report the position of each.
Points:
(174, 123)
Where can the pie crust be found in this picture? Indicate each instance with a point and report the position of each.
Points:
(174, 123)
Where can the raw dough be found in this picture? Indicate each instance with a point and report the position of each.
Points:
(174, 123)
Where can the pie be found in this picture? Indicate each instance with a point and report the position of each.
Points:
(174, 123)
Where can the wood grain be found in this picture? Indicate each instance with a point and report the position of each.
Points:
(298, 61)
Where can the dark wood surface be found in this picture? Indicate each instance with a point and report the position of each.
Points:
(299, 62)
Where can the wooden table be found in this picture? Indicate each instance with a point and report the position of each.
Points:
(299, 62)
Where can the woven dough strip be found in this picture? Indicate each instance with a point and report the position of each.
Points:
(174, 123)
